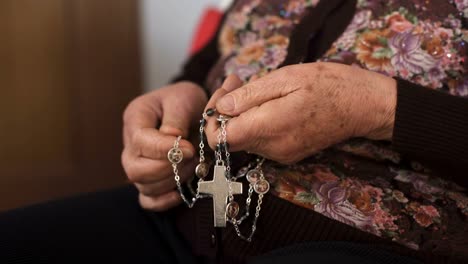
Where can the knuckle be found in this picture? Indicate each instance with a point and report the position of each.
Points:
(129, 167)
(288, 70)
(125, 159)
(243, 94)
(133, 174)
(152, 203)
(159, 147)
(136, 139)
(146, 190)
(141, 188)
(147, 203)
(130, 109)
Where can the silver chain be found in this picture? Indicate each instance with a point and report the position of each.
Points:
(222, 141)
(196, 194)
(222, 147)
(237, 222)
(228, 155)
(202, 144)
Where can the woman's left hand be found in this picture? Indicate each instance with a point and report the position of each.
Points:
(298, 110)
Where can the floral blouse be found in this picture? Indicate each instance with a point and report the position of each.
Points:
(364, 183)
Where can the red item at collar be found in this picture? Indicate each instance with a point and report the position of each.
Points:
(205, 29)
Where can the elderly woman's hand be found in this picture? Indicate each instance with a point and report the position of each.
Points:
(299, 110)
(151, 124)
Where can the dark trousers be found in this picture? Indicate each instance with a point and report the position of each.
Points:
(111, 226)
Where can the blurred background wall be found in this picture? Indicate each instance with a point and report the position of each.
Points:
(167, 28)
(68, 68)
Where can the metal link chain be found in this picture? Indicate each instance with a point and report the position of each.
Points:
(222, 140)
(236, 223)
(254, 224)
(196, 194)
(222, 135)
(247, 206)
(223, 145)
(202, 144)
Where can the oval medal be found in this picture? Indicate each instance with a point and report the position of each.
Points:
(253, 176)
(201, 170)
(175, 155)
(262, 186)
(232, 209)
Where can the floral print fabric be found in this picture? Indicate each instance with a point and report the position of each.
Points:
(364, 183)
(399, 43)
(255, 37)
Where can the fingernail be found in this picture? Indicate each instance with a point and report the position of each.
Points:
(232, 82)
(226, 103)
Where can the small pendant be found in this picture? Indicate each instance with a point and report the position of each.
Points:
(232, 209)
(202, 170)
(175, 155)
(262, 186)
(253, 176)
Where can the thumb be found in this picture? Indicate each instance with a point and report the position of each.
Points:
(253, 94)
(176, 118)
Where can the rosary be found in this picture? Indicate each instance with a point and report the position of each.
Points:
(224, 185)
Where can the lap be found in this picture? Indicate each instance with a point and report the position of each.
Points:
(110, 224)
(332, 252)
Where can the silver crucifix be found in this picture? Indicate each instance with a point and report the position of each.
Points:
(219, 189)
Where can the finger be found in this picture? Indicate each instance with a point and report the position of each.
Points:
(161, 202)
(178, 116)
(152, 144)
(144, 171)
(167, 183)
(241, 131)
(253, 78)
(156, 188)
(255, 93)
(142, 112)
(231, 83)
(253, 131)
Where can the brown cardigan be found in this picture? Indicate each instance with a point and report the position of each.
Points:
(412, 133)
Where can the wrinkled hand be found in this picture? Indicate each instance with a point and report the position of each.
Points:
(175, 109)
(299, 110)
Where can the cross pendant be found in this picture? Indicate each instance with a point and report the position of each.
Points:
(219, 190)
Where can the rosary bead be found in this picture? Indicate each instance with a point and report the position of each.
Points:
(219, 147)
(203, 122)
(225, 145)
(202, 170)
(210, 111)
(232, 209)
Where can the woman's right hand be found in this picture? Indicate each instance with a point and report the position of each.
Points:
(151, 124)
